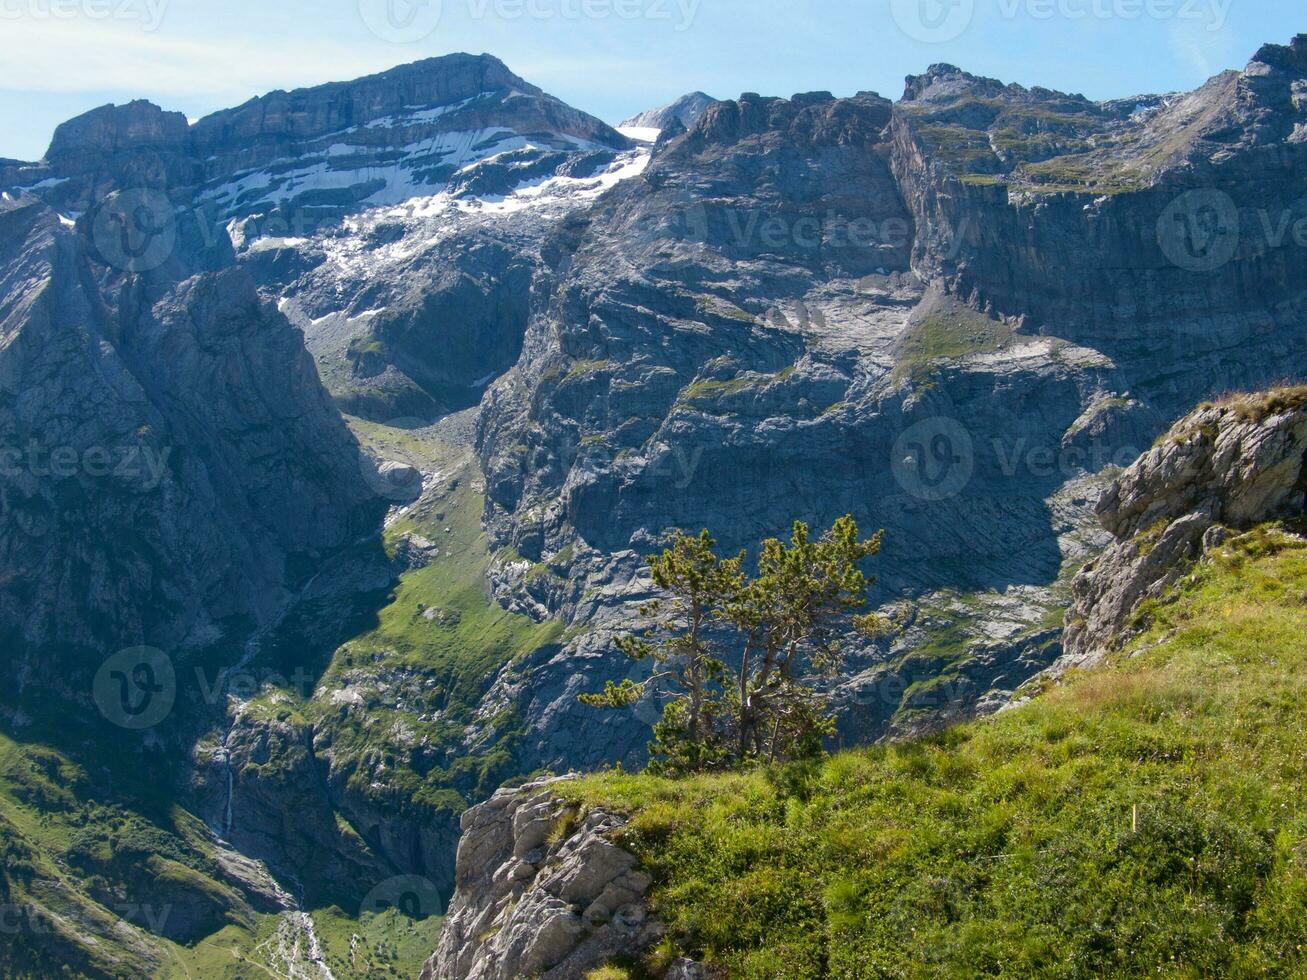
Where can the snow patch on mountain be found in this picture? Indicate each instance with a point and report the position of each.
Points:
(642, 134)
(417, 168)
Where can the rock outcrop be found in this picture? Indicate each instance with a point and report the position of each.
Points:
(1224, 468)
(673, 117)
(542, 891)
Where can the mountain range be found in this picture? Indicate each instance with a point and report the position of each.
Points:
(336, 427)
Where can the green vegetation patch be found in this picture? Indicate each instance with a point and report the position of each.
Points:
(961, 148)
(418, 674)
(389, 944)
(87, 886)
(582, 369)
(1085, 173)
(1256, 406)
(710, 389)
(946, 335)
(1144, 819)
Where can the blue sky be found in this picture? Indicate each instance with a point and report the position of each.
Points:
(609, 57)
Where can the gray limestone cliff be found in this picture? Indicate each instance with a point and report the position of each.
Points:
(951, 316)
(1222, 469)
(171, 458)
(542, 891)
(681, 114)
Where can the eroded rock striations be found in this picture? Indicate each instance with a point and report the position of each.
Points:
(1224, 468)
(541, 892)
(946, 316)
(170, 453)
(673, 117)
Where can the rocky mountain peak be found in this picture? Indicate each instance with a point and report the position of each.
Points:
(323, 109)
(806, 117)
(685, 111)
(941, 82)
(1286, 57)
(389, 137)
(114, 128)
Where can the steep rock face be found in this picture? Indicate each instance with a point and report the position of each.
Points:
(268, 791)
(1223, 468)
(673, 284)
(136, 145)
(681, 114)
(532, 901)
(944, 316)
(425, 337)
(168, 458)
(114, 129)
(1158, 231)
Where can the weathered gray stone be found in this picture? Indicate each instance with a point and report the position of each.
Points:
(583, 908)
(1221, 469)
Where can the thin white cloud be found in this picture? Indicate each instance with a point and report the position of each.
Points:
(80, 56)
(1198, 47)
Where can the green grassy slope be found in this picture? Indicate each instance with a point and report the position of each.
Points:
(88, 884)
(438, 640)
(1145, 818)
